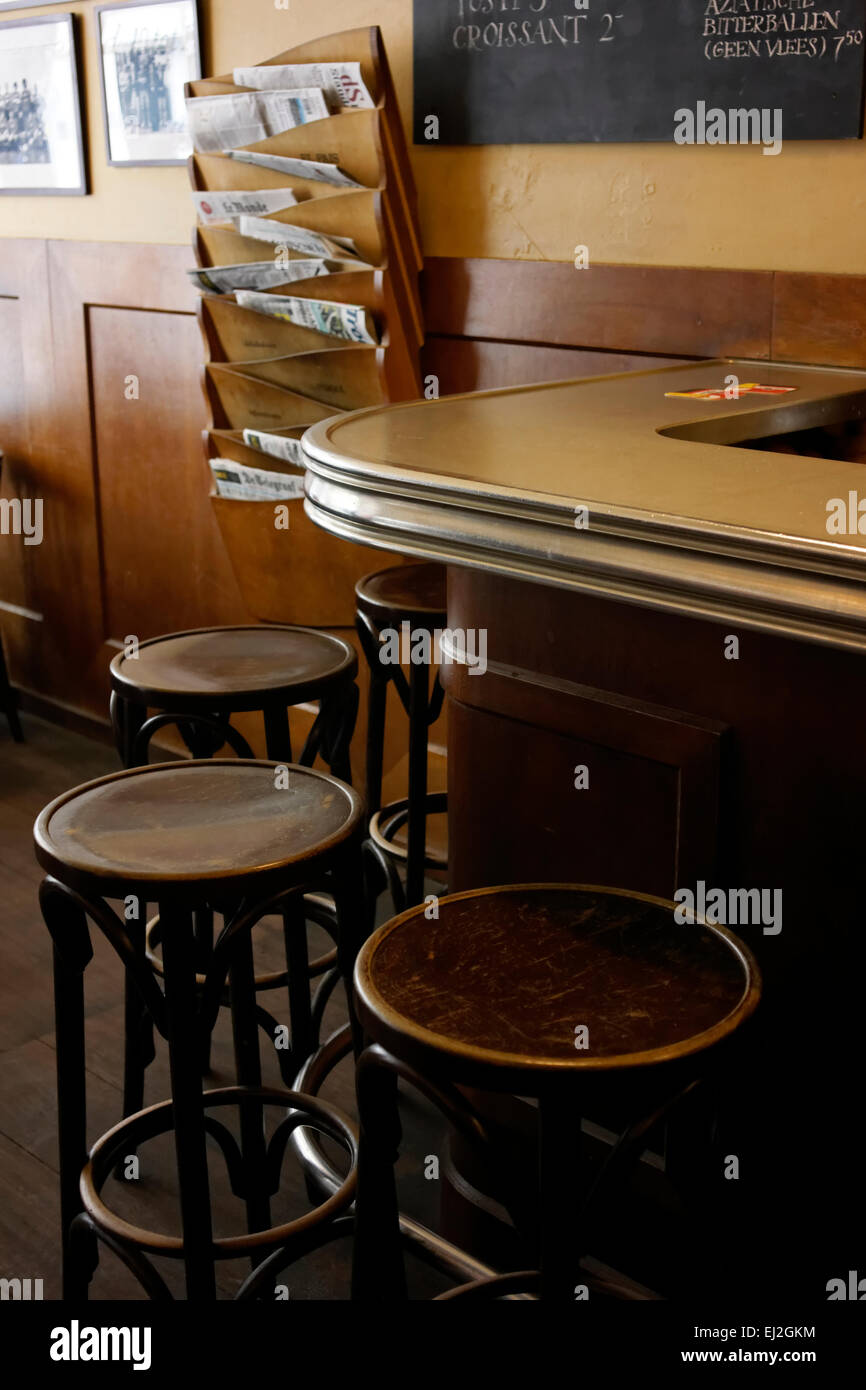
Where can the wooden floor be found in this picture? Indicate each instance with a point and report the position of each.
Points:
(51, 760)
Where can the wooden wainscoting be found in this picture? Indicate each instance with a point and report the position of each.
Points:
(109, 437)
(501, 323)
(130, 544)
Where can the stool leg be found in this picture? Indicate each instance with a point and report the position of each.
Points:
(354, 924)
(339, 715)
(378, 1271)
(249, 1073)
(559, 1187)
(377, 697)
(418, 726)
(278, 739)
(8, 700)
(72, 951)
(298, 968)
(126, 720)
(137, 1033)
(203, 930)
(178, 949)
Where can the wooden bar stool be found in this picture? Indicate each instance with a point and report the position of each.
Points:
(412, 595)
(562, 993)
(198, 680)
(242, 839)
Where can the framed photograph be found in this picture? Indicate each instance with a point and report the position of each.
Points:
(41, 147)
(28, 4)
(148, 49)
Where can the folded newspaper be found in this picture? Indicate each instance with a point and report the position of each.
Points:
(244, 118)
(262, 275)
(254, 484)
(296, 238)
(342, 83)
(318, 170)
(277, 445)
(350, 321)
(214, 208)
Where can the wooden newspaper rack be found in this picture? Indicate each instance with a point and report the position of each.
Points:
(267, 374)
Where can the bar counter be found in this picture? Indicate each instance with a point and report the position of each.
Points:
(675, 679)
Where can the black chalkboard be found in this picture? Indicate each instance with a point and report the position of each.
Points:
(503, 72)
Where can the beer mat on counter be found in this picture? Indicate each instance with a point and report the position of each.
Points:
(724, 393)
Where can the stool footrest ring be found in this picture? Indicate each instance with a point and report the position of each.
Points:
(158, 1119)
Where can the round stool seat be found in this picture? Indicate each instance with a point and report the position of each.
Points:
(500, 981)
(233, 667)
(191, 825)
(416, 591)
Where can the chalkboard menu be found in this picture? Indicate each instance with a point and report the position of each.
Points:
(502, 72)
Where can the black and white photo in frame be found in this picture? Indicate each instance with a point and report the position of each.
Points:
(41, 148)
(148, 49)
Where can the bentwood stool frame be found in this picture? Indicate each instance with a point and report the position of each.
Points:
(202, 710)
(380, 604)
(399, 1047)
(77, 889)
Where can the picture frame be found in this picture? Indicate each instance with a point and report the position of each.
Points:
(41, 129)
(146, 50)
(29, 4)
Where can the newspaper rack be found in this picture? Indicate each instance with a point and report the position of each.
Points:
(269, 375)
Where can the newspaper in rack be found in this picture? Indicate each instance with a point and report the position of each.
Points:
(216, 207)
(317, 169)
(254, 484)
(350, 321)
(296, 238)
(243, 118)
(261, 275)
(278, 445)
(342, 83)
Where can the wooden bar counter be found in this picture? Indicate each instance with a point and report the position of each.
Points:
(674, 695)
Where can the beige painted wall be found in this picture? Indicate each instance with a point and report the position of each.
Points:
(643, 204)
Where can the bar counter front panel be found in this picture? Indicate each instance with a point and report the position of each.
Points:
(739, 765)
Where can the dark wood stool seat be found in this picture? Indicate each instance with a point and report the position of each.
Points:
(244, 838)
(212, 829)
(414, 595)
(198, 679)
(405, 591)
(234, 664)
(491, 993)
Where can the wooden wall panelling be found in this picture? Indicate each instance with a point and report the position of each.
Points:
(820, 318)
(671, 311)
(475, 364)
(652, 820)
(31, 576)
(144, 548)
